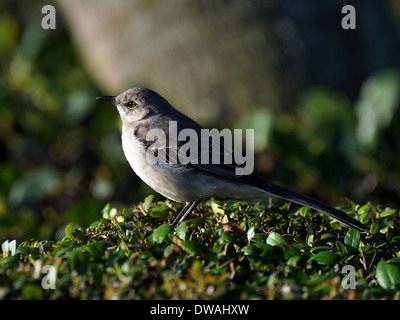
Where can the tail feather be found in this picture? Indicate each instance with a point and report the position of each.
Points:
(303, 200)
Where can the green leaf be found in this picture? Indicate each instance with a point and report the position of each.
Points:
(376, 227)
(109, 213)
(194, 247)
(155, 213)
(168, 248)
(319, 248)
(310, 235)
(387, 275)
(363, 212)
(75, 233)
(275, 239)
(95, 224)
(387, 213)
(147, 202)
(352, 240)
(304, 211)
(28, 251)
(106, 210)
(250, 234)
(125, 213)
(341, 249)
(181, 231)
(9, 262)
(324, 258)
(327, 236)
(217, 209)
(293, 261)
(68, 230)
(161, 232)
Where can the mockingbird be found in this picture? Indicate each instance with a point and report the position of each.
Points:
(142, 111)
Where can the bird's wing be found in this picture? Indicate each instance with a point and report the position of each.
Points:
(220, 161)
(228, 171)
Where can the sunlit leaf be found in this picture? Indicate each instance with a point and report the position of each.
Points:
(68, 230)
(147, 202)
(387, 275)
(352, 240)
(161, 232)
(324, 258)
(250, 234)
(181, 230)
(387, 213)
(275, 239)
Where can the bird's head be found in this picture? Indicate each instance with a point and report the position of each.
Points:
(134, 104)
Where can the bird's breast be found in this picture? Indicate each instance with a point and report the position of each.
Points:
(176, 182)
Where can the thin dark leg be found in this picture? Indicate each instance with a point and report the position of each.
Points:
(186, 210)
(180, 215)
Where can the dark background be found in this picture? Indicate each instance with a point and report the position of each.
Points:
(324, 101)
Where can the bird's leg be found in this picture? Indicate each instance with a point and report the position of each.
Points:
(186, 210)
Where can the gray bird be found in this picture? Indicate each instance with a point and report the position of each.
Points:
(142, 110)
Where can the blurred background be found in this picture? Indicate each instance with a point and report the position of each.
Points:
(323, 101)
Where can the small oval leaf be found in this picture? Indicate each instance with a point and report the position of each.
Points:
(387, 213)
(250, 234)
(193, 247)
(352, 240)
(387, 275)
(68, 230)
(161, 232)
(147, 203)
(275, 239)
(181, 231)
(324, 258)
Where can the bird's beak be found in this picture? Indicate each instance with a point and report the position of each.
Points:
(110, 99)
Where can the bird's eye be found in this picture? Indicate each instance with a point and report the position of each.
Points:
(131, 104)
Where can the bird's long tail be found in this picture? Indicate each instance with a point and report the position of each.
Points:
(303, 200)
